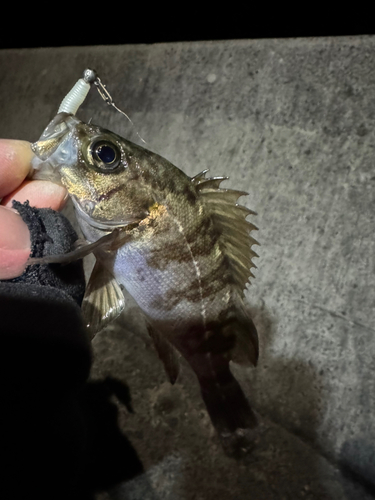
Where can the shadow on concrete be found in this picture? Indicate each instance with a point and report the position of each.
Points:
(59, 434)
(288, 391)
(182, 454)
(180, 450)
(357, 463)
(109, 457)
(64, 446)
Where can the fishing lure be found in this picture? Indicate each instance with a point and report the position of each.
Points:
(181, 246)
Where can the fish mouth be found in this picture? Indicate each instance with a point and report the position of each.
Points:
(43, 170)
(45, 165)
(53, 135)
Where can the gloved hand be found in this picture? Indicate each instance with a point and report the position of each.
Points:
(40, 303)
(58, 433)
(45, 354)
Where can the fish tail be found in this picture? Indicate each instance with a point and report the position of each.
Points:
(209, 351)
(226, 403)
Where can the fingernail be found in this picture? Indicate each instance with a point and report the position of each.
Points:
(14, 234)
(14, 244)
(15, 158)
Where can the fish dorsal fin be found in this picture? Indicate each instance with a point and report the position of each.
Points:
(103, 300)
(210, 182)
(230, 220)
(199, 177)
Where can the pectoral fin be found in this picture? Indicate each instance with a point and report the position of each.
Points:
(167, 354)
(103, 301)
(111, 242)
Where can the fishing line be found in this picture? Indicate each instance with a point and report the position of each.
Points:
(73, 100)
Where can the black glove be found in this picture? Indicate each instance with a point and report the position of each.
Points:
(40, 320)
(51, 419)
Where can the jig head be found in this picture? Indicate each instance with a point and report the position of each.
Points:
(73, 100)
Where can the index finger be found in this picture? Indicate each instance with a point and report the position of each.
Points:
(15, 165)
(15, 158)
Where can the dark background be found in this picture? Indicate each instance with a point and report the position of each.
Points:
(117, 24)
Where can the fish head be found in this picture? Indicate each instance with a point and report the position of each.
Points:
(100, 170)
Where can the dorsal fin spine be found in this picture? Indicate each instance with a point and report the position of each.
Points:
(230, 220)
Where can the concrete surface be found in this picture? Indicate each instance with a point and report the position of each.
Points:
(291, 122)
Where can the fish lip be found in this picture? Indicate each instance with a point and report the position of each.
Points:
(43, 164)
(54, 135)
(97, 224)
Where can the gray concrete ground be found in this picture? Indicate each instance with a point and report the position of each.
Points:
(292, 123)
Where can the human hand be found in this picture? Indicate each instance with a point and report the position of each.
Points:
(15, 158)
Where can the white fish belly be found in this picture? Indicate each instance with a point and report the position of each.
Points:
(160, 292)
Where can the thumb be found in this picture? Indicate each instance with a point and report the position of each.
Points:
(14, 244)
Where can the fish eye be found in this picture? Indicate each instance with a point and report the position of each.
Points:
(106, 155)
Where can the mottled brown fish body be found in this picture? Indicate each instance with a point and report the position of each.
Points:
(179, 274)
(182, 249)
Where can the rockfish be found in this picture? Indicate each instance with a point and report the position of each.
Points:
(180, 245)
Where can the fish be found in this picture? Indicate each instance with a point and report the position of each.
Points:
(181, 246)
